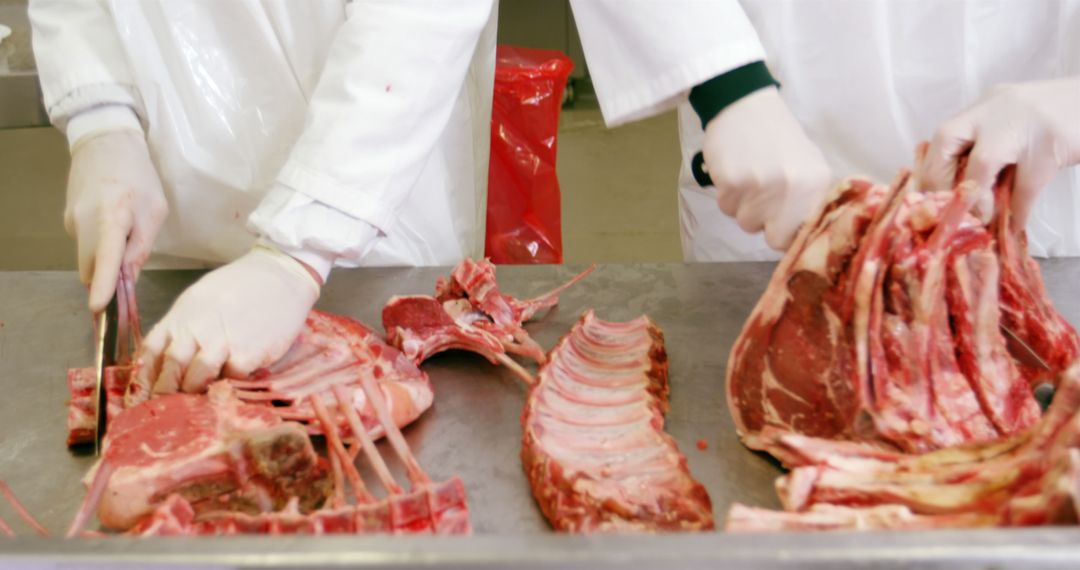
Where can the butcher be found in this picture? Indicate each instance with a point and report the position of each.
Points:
(275, 139)
(850, 87)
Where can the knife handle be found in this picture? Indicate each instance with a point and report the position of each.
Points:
(700, 171)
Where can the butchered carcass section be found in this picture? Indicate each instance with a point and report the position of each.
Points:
(468, 312)
(882, 324)
(594, 447)
(209, 464)
(1032, 478)
(331, 350)
(214, 451)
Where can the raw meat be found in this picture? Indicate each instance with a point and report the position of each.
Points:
(194, 465)
(1029, 479)
(468, 312)
(215, 451)
(427, 508)
(594, 447)
(338, 351)
(881, 325)
(331, 350)
(81, 406)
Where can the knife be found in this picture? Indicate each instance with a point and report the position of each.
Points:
(1022, 351)
(104, 356)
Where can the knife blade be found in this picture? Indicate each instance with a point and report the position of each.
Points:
(1022, 351)
(104, 356)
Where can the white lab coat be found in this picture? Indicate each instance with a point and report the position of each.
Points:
(868, 79)
(352, 131)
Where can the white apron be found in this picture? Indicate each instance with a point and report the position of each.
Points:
(225, 86)
(869, 79)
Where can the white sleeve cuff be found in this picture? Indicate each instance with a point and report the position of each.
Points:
(93, 122)
(318, 261)
(664, 91)
(312, 231)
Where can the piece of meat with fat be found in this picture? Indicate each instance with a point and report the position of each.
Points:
(881, 324)
(426, 508)
(1028, 479)
(438, 510)
(334, 360)
(81, 383)
(594, 448)
(217, 452)
(468, 312)
(331, 350)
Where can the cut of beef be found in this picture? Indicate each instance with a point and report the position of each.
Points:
(881, 325)
(330, 351)
(594, 447)
(468, 312)
(426, 508)
(215, 451)
(209, 464)
(230, 461)
(439, 509)
(1032, 478)
(81, 406)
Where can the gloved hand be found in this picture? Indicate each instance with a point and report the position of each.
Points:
(236, 319)
(767, 172)
(1035, 126)
(115, 207)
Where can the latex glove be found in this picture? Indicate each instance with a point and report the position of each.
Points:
(767, 172)
(115, 207)
(1035, 126)
(236, 319)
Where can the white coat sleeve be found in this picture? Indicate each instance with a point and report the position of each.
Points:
(644, 56)
(384, 98)
(85, 80)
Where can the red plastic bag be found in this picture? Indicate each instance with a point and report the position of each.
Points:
(524, 220)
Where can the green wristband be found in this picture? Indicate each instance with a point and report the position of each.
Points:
(713, 96)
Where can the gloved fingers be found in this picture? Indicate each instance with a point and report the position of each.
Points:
(780, 233)
(988, 158)
(937, 171)
(781, 226)
(781, 229)
(139, 245)
(757, 205)
(205, 368)
(168, 380)
(728, 201)
(1031, 177)
(175, 362)
(105, 265)
(242, 363)
(983, 209)
(86, 245)
(241, 366)
(150, 356)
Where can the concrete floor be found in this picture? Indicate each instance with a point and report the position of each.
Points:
(618, 192)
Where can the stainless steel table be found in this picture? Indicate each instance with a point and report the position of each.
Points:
(473, 431)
